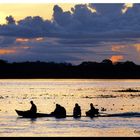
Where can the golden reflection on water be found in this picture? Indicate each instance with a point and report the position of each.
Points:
(16, 94)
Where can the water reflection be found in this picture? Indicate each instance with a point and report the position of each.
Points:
(32, 120)
(47, 93)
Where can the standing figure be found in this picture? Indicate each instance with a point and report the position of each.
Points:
(77, 111)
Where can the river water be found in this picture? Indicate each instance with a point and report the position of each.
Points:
(17, 93)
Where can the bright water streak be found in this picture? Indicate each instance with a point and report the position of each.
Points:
(16, 94)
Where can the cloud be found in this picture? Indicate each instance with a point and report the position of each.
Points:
(108, 20)
(126, 7)
(108, 9)
(117, 48)
(61, 18)
(6, 41)
(10, 20)
(6, 51)
(116, 58)
(84, 33)
(137, 47)
(22, 39)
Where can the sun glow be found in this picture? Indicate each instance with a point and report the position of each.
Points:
(126, 7)
(2, 17)
(20, 11)
(5, 51)
(116, 58)
(39, 39)
(91, 9)
(22, 39)
(137, 46)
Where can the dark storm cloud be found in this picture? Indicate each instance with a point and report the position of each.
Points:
(107, 22)
(71, 35)
(53, 46)
(6, 41)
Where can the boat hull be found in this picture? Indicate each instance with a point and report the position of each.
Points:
(28, 114)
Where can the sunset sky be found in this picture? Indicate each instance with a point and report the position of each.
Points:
(70, 32)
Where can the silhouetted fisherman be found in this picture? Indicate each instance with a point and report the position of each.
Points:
(33, 109)
(92, 112)
(59, 112)
(77, 111)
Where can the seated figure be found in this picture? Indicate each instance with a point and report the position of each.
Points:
(59, 112)
(92, 112)
(33, 108)
(76, 111)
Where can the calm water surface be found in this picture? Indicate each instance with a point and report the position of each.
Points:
(16, 94)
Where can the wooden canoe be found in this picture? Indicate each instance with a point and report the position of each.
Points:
(27, 114)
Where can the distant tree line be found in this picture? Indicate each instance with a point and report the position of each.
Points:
(90, 70)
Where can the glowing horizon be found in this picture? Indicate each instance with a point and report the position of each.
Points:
(20, 11)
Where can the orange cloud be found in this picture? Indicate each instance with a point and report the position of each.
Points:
(5, 51)
(116, 58)
(22, 39)
(117, 48)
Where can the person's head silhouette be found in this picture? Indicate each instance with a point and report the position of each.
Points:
(91, 104)
(31, 102)
(57, 105)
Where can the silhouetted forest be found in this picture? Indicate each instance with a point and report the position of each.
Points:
(90, 70)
